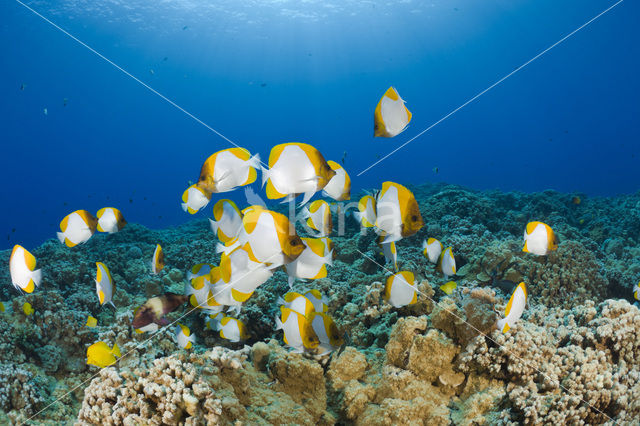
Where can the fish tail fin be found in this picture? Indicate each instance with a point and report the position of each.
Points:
(254, 161)
(279, 324)
(36, 276)
(265, 174)
(184, 206)
(116, 350)
(61, 237)
(214, 225)
(306, 198)
(111, 303)
(328, 258)
(290, 280)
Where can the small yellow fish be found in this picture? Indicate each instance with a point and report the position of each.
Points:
(1, 307)
(101, 355)
(449, 287)
(91, 321)
(27, 308)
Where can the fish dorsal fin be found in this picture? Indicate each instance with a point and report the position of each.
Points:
(392, 94)
(531, 226)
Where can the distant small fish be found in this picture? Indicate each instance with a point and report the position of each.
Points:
(431, 249)
(436, 170)
(344, 157)
(514, 308)
(400, 290)
(447, 263)
(22, 266)
(233, 329)
(153, 311)
(391, 117)
(165, 59)
(27, 309)
(65, 101)
(46, 112)
(23, 86)
(157, 262)
(263, 84)
(110, 220)
(91, 321)
(576, 200)
(101, 355)
(539, 239)
(1, 307)
(449, 287)
(104, 284)
(185, 27)
(152, 72)
(183, 336)
(636, 292)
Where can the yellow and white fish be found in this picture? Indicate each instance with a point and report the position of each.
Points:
(298, 332)
(228, 169)
(241, 276)
(400, 289)
(104, 284)
(212, 321)
(329, 336)
(295, 168)
(77, 228)
(318, 215)
(297, 302)
(227, 220)
(91, 321)
(22, 266)
(397, 212)
(27, 308)
(149, 328)
(195, 199)
(199, 270)
(447, 263)
(199, 289)
(157, 261)
(318, 300)
(366, 213)
(233, 329)
(514, 309)
(312, 262)
(636, 291)
(339, 187)
(390, 252)
(539, 239)
(431, 249)
(271, 238)
(101, 355)
(110, 220)
(183, 336)
(391, 116)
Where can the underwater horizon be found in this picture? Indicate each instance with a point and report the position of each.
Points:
(461, 243)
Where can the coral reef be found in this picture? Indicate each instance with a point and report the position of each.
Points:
(571, 359)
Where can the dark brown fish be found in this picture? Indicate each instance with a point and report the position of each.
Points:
(155, 309)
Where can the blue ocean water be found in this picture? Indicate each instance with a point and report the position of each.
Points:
(267, 72)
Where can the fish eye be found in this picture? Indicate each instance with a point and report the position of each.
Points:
(414, 218)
